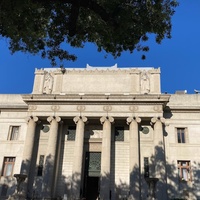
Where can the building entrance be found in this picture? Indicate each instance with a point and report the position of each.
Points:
(92, 175)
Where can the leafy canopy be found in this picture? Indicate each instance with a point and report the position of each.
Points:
(43, 26)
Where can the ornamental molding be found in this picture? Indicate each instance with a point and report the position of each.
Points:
(80, 108)
(98, 70)
(157, 108)
(133, 108)
(32, 107)
(107, 108)
(55, 108)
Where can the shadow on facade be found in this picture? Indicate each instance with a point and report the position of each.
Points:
(175, 189)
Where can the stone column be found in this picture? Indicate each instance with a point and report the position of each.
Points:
(106, 158)
(50, 159)
(28, 153)
(78, 156)
(159, 158)
(134, 156)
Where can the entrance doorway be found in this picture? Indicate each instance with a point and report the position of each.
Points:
(92, 175)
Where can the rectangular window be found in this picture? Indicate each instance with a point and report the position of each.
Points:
(8, 165)
(119, 133)
(181, 135)
(40, 166)
(184, 170)
(71, 133)
(13, 133)
(146, 167)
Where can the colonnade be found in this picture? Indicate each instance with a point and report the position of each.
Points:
(50, 162)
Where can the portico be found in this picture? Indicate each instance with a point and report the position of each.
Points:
(94, 140)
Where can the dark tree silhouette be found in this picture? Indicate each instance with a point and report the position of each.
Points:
(42, 26)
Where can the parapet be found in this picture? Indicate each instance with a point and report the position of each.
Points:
(97, 80)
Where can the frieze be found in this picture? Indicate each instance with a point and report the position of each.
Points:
(133, 108)
(32, 107)
(107, 108)
(80, 108)
(157, 108)
(55, 108)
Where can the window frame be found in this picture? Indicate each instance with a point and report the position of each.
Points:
(116, 138)
(71, 133)
(186, 168)
(6, 162)
(183, 132)
(13, 135)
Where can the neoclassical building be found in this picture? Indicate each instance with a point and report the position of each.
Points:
(100, 132)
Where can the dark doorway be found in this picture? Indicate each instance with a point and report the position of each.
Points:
(92, 175)
(92, 191)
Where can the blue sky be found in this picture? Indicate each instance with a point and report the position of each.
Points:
(178, 58)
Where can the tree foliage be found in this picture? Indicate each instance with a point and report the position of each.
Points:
(44, 26)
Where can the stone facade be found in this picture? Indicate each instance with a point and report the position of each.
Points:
(100, 132)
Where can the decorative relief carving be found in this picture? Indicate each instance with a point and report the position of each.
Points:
(104, 118)
(55, 108)
(133, 108)
(34, 118)
(51, 118)
(130, 119)
(95, 147)
(107, 108)
(80, 108)
(48, 83)
(155, 119)
(145, 82)
(157, 108)
(32, 107)
(83, 118)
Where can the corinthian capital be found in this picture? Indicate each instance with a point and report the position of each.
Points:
(130, 119)
(104, 118)
(83, 118)
(51, 118)
(155, 119)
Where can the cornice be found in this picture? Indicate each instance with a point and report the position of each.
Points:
(182, 109)
(97, 71)
(160, 99)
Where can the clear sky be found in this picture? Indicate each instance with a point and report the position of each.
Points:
(178, 58)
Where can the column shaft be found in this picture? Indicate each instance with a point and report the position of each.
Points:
(50, 159)
(159, 158)
(78, 156)
(106, 158)
(134, 157)
(28, 153)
